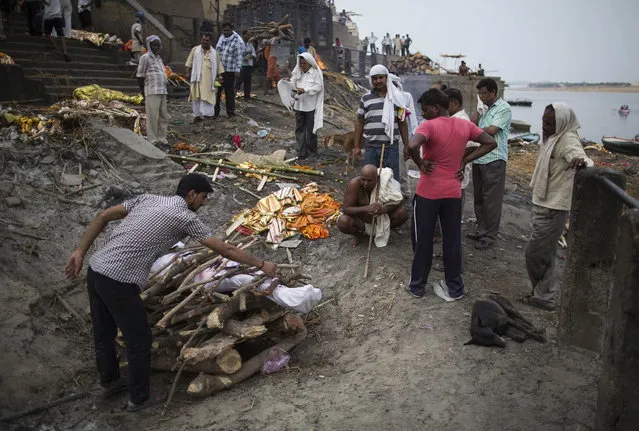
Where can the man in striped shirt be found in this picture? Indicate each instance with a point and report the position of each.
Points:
(119, 270)
(370, 125)
(489, 172)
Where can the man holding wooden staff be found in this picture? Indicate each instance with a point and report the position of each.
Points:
(119, 270)
(381, 119)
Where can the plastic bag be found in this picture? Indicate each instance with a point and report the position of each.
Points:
(276, 360)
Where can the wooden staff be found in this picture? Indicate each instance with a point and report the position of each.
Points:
(372, 234)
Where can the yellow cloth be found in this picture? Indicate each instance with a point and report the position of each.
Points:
(95, 92)
(203, 90)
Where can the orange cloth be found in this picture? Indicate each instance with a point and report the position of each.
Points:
(273, 72)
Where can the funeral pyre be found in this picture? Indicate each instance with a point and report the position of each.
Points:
(224, 320)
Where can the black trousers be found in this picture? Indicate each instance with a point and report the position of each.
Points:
(425, 215)
(246, 79)
(229, 92)
(118, 305)
(306, 139)
(32, 9)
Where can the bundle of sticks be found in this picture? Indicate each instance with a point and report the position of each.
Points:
(197, 329)
(417, 64)
(267, 30)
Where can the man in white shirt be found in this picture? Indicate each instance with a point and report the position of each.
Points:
(137, 38)
(456, 110)
(53, 20)
(308, 84)
(84, 13)
(373, 40)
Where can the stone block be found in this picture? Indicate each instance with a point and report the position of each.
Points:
(588, 274)
(12, 201)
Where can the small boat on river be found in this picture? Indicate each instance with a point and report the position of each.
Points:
(524, 139)
(519, 102)
(629, 147)
(624, 110)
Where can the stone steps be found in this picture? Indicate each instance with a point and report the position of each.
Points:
(79, 81)
(105, 66)
(51, 72)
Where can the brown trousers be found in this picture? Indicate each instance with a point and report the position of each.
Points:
(489, 181)
(541, 252)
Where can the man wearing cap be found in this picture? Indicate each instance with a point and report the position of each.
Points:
(119, 270)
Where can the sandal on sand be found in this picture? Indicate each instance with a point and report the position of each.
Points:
(539, 303)
(114, 388)
(154, 399)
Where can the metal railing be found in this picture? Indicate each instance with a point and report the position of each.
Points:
(618, 192)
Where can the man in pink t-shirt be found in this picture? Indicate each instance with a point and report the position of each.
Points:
(443, 142)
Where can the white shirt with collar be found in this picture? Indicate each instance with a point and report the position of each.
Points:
(312, 85)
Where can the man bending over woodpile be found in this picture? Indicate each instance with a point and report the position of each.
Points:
(118, 270)
(359, 210)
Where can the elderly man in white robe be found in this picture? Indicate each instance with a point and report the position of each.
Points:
(306, 88)
(559, 155)
(206, 69)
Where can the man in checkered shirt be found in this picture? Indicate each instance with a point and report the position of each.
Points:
(230, 46)
(150, 225)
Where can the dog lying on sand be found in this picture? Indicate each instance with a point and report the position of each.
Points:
(494, 316)
(346, 141)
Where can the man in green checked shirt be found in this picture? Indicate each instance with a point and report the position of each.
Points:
(489, 172)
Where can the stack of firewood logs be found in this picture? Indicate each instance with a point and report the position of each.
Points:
(415, 64)
(267, 30)
(197, 329)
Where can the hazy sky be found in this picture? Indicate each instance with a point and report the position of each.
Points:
(521, 40)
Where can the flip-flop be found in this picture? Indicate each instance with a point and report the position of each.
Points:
(114, 388)
(539, 303)
(154, 399)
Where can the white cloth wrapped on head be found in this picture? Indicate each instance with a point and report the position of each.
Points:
(394, 98)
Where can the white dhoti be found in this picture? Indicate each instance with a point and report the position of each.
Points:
(202, 108)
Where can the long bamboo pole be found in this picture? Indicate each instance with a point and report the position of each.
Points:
(287, 169)
(209, 162)
(370, 238)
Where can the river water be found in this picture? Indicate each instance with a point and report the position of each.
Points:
(597, 112)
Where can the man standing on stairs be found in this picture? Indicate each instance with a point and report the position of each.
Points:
(84, 13)
(53, 20)
(231, 49)
(137, 47)
(67, 12)
(152, 81)
(204, 68)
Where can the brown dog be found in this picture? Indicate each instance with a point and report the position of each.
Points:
(346, 141)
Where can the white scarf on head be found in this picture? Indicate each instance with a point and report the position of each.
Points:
(565, 123)
(196, 71)
(285, 89)
(408, 101)
(394, 98)
(148, 44)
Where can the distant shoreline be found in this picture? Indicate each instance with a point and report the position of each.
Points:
(585, 88)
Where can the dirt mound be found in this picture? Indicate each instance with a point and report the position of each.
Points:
(375, 358)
